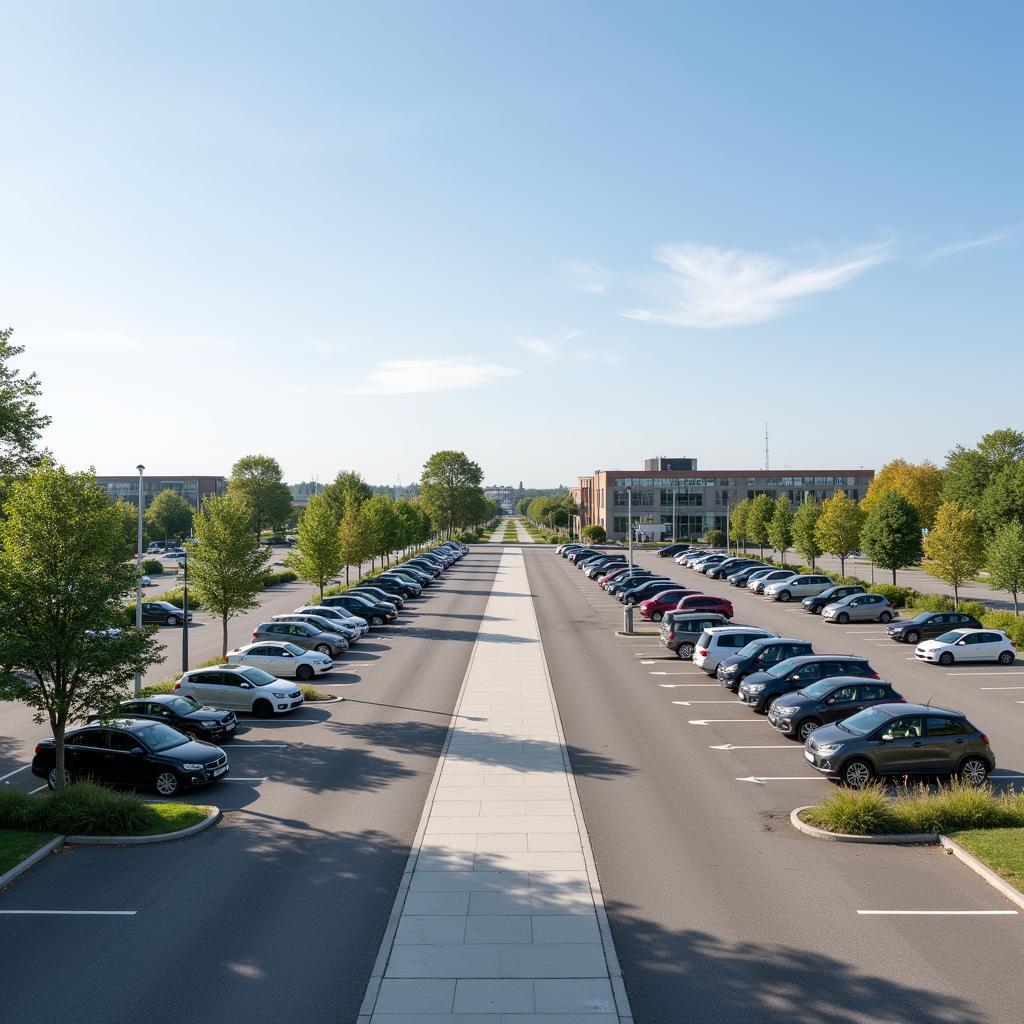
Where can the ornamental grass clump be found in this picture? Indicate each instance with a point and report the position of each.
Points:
(854, 812)
(956, 806)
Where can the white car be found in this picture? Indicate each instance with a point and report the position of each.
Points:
(240, 688)
(282, 659)
(720, 642)
(967, 645)
(145, 581)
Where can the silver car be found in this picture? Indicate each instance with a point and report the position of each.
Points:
(302, 634)
(859, 608)
(759, 581)
(807, 585)
(328, 625)
(346, 622)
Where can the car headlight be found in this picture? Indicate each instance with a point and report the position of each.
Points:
(208, 725)
(192, 767)
(785, 711)
(730, 670)
(755, 687)
(279, 696)
(830, 748)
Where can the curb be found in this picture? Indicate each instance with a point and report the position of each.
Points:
(638, 632)
(210, 820)
(30, 861)
(1013, 894)
(326, 700)
(907, 839)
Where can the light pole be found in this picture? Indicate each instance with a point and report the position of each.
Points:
(138, 575)
(184, 618)
(728, 538)
(629, 520)
(675, 495)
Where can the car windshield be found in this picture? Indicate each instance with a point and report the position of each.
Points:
(951, 637)
(750, 650)
(922, 617)
(157, 736)
(360, 600)
(864, 722)
(183, 705)
(789, 665)
(293, 649)
(819, 689)
(258, 677)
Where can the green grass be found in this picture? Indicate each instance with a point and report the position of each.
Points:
(1001, 849)
(16, 845)
(310, 692)
(163, 818)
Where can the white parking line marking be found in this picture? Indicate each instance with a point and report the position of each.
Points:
(256, 746)
(264, 779)
(676, 686)
(1003, 673)
(664, 673)
(38, 789)
(941, 913)
(763, 780)
(715, 721)
(73, 913)
(4, 778)
(1001, 687)
(772, 746)
(687, 703)
(648, 663)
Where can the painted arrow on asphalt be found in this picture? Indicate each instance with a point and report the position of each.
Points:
(663, 673)
(773, 746)
(687, 703)
(763, 780)
(712, 721)
(676, 686)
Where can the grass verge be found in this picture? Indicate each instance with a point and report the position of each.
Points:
(16, 845)
(1001, 849)
(310, 692)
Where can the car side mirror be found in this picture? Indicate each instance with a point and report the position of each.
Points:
(137, 752)
(886, 737)
(246, 686)
(961, 643)
(831, 700)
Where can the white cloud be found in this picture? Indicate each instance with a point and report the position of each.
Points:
(426, 376)
(585, 277)
(974, 243)
(550, 349)
(711, 287)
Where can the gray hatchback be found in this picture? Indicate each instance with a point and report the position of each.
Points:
(900, 739)
(304, 634)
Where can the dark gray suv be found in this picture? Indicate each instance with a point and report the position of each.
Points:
(900, 739)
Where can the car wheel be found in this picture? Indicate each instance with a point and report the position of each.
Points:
(684, 651)
(806, 728)
(322, 649)
(784, 596)
(377, 620)
(262, 709)
(167, 783)
(945, 658)
(51, 779)
(912, 637)
(857, 773)
(973, 771)
(885, 617)
(172, 620)
(842, 618)
(304, 672)
(1006, 658)
(630, 601)
(655, 616)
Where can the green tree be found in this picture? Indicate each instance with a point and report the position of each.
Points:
(348, 488)
(1002, 501)
(354, 537)
(169, 515)
(920, 484)
(780, 528)
(839, 526)
(226, 563)
(381, 525)
(1005, 560)
(317, 556)
(21, 422)
(63, 583)
(450, 490)
(595, 533)
(805, 525)
(714, 538)
(738, 519)
(758, 518)
(257, 481)
(410, 524)
(891, 534)
(954, 549)
(969, 471)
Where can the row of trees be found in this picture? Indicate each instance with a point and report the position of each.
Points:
(551, 510)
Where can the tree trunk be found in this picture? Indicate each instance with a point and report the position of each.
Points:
(321, 592)
(58, 750)
(346, 575)
(1014, 592)
(956, 597)
(224, 637)
(894, 577)
(842, 565)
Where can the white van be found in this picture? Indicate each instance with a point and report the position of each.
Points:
(722, 642)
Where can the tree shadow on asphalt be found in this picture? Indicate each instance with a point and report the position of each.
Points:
(454, 615)
(465, 635)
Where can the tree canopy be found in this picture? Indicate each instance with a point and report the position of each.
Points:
(954, 549)
(21, 422)
(891, 535)
(317, 556)
(451, 492)
(169, 515)
(920, 484)
(257, 481)
(805, 525)
(838, 528)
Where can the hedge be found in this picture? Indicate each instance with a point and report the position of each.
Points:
(152, 567)
(273, 579)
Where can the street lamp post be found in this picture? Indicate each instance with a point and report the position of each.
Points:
(629, 519)
(675, 495)
(184, 618)
(138, 575)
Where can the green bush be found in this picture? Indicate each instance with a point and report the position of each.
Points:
(164, 686)
(81, 809)
(934, 603)
(854, 581)
(854, 812)
(468, 537)
(177, 597)
(975, 608)
(595, 533)
(152, 566)
(273, 579)
(899, 597)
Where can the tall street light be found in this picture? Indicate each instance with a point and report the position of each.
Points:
(138, 575)
(629, 517)
(184, 618)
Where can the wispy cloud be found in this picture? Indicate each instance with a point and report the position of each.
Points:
(706, 286)
(585, 277)
(973, 243)
(550, 349)
(427, 376)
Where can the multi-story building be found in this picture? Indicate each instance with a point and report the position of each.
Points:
(700, 499)
(192, 488)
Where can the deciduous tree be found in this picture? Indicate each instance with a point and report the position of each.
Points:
(891, 535)
(450, 490)
(954, 549)
(355, 541)
(348, 488)
(1005, 560)
(920, 484)
(21, 422)
(381, 525)
(838, 528)
(317, 556)
(738, 522)
(758, 518)
(780, 527)
(169, 515)
(805, 525)
(257, 481)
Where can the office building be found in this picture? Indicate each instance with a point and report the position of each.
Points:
(192, 488)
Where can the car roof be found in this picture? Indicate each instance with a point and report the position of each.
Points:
(129, 724)
(156, 698)
(740, 629)
(218, 668)
(779, 639)
(896, 710)
(804, 659)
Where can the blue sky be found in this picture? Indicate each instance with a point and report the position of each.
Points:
(549, 234)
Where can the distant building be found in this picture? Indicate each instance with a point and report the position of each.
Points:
(702, 499)
(192, 488)
(504, 495)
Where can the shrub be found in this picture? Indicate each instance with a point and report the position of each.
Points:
(975, 608)
(152, 566)
(854, 812)
(310, 692)
(164, 686)
(956, 806)
(899, 597)
(16, 810)
(595, 533)
(934, 603)
(714, 538)
(177, 597)
(273, 579)
(468, 536)
(854, 581)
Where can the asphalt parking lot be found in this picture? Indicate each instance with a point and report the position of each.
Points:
(714, 899)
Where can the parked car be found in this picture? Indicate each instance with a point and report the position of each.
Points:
(603, 581)
(829, 700)
(654, 608)
(244, 688)
(968, 645)
(284, 660)
(303, 635)
(720, 641)
(145, 581)
(759, 689)
(380, 595)
(619, 577)
(410, 575)
(405, 589)
(741, 578)
(900, 739)
(680, 631)
(815, 604)
(859, 608)
(705, 603)
(347, 626)
(132, 752)
(807, 585)
(156, 547)
(725, 569)
(622, 585)
(687, 558)
(575, 556)
(652, 588)
(758, 656)
(708, 563)
(759, 580)
(672, 550)
(374, 612)
(163, 612)
(185, 714)
(929, 625)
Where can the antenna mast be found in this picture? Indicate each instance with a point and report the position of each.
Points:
(766, 444)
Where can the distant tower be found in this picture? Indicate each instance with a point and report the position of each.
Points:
(766, 444)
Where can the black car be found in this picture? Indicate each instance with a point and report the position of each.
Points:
(798, 714)
(163, 612)
(410, 572)
(630, 581)
(183, 713)
(581, 553)
(740, 577)
(813, 605)
(394, 586)
(380, 594)
(672, 550)
(929, 625)
(758, 656)
(634, 595)
(375, 613)
(761, 688)
(133, 752)
(726, 569)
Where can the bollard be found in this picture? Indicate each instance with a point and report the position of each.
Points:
(627, 619)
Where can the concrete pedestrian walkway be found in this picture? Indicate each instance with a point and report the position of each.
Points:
(524, 537)
(499, 917)
(498, 535)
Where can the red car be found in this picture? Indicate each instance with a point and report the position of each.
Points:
(705, 603)
(655, 607)
(608, 577)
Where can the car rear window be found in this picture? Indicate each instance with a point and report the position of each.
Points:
(704, 640)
